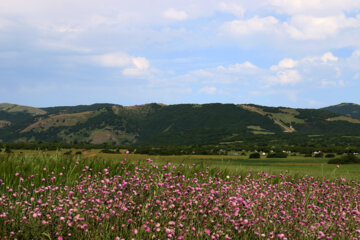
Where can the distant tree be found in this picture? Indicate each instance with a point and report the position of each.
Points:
(277, 155)
(254, 155)
(347, 159)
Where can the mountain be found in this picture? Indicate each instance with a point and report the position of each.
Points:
(347, 109)
(171, 124)
(13, 108)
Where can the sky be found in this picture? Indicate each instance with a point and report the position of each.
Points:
(298, 53)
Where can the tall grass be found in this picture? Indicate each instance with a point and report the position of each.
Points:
(54, 196)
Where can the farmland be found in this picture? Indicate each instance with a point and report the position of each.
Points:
(93, 195)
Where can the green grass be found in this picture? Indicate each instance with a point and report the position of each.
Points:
(296, 166)
(18, 108)
(41, 167)
(33, 161)
(287, 118)
(258, 128)
(262, 132)
(344, 118)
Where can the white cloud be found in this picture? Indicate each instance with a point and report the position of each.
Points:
(141, 63)
(326, 58)
(232, 8)
(133, 72)
(285, 77)
(322, 71)
(332, 83)
(251, 26)
(131, 66)
(326, 83)
(329, 57)
(305, 27)
(175, 14)
(141, 67)
(114, 60)
(246, 67)
(285, 63)
(356, 53)
(208, 90)
(61, 46)
(298, 27)
(315, 7)
(232, 74)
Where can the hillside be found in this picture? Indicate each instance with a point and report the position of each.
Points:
(173, 124)
(347, 109)
(14, 108)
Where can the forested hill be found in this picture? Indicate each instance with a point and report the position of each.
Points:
(348, 109)
(173, 124)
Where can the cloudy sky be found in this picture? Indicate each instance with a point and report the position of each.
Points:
(298, 53)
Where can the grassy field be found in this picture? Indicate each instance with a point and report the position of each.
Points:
(293, 165)
(49, 195)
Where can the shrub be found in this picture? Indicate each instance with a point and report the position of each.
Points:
(277, 155)
(318, 155)
(330, 155)
(347, 159)
(254, 155)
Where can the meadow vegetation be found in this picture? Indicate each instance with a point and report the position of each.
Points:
(93, 195)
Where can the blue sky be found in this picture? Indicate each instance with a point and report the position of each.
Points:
(299, 53)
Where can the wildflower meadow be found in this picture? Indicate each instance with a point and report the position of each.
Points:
(70, 197)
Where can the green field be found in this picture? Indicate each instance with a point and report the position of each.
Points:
(297, 166)
(293, 165)
(93, 195)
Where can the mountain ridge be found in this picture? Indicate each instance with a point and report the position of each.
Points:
(348, 109)
(155, 123)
